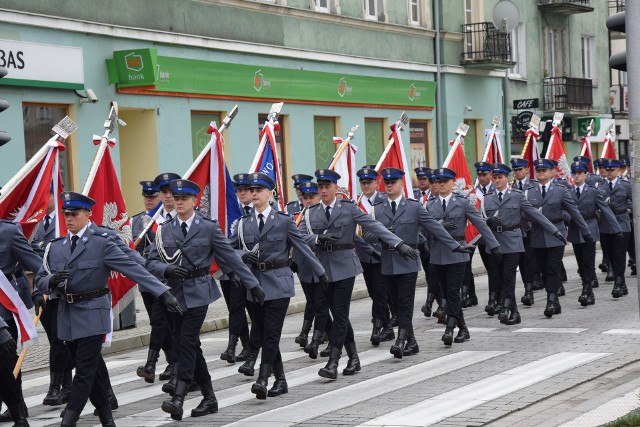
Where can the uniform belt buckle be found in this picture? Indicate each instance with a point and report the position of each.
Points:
(328, 247)
(499, 229)
(262, 266)
(69, 298)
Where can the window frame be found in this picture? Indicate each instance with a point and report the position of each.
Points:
(517, 47)
(320, 8)
(367, 12)
(418, 20)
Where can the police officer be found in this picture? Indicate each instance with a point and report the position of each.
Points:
(625, 175)
(617, 194)
(295, 206)
(168, 211)
(454, 210)
(552, 199)
(605, 265)
(243, 193)
(264, 239)
(405, 217)
(183, 252)
(590, 204)
(76, 267)
(422, 193)
(504, 209)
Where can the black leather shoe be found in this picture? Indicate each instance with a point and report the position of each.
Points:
(595, 284)
(168, 372)
(148, 371)
(549, 310)
(170, 387)
(70, 418)
(447, 337)
(330, 371)
(610, 277)
(490, 308)
(312, 348)
(209, 403)
(617, 287)
(538, 282)
(280, 384)
(411, 347)
(375, 333)
(514, 319)
(527, 298)
(353, 364)
(230, 353)
(386, 333)
(463, 335)
(505, 312)
(113, 401)
(105, 416)
(67, 382)
(327, 351)
(53, 397)
(18, 414)
(603, 267)
(473, 300)
(259, 388)
(394, 321)
(248, 367)
(242, 356)
(174, 405)
(464, 297)
(441, 312)
(428, 304)
(583, 299)
(397, 349)
(561, 291)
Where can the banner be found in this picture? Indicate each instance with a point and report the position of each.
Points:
(10, 300)
(346, 167)
(266, 159)
(394, 157)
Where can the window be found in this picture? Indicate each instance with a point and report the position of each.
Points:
(322, 5)
(374, 10)
(280, 148)
(588, 57)
(38, 120)
(414, 12)
(470, 17)
(374, 139)
(200, 121)
(554, 55)
(324, 129)
(518, 52)
(419, 143)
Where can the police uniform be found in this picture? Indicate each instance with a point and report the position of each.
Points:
(183, 253)
(552, 199)
(84, 313)
(422, 195)
(265, 239)
(504, 211)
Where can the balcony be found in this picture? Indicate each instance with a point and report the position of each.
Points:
(486, 47)
(565, 7)
(567, 93)
(616, 6)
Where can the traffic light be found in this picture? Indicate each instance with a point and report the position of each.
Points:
(4, 136)
(616, 22)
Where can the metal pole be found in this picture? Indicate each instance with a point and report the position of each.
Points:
(632, 17)
(439, 141)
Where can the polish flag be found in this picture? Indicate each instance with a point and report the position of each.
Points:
(394, 157)
(608, 149)
(530, 150)
(556, 152)
(585, 150)
(493, 148)
(10, 300)
(346, 167)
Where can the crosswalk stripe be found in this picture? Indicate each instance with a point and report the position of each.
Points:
(456, 401)
(471, 330)
(242, 393)
(369, 389)
(603, 414)
(623, 332)
(550, 330)
(282, 336)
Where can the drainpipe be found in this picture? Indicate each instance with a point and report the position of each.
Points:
(439, 136)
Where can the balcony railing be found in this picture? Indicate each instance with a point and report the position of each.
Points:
(485, 47)
(567, 93)
(565, 7)
(616, 6)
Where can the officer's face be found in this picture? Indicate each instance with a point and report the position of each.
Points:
(484, 178)
(393, 188)
(76, 221)
(423, 184)
(579, 177)
(327, 192)
(167, 199)
(260, 197)
(612, 173)
(520, 173)
(544, 175)
(244, 195)
(310, 199)
(434, 187)
(184, 206)
(150, 202)
(298, 193)
(602, 172)
(500, 180)
(368, 186)
(446, 187)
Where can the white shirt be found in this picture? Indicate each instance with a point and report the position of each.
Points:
(580, 187)
(396, 200)
(546, 186)
(79, 233)
(52, 216)
(331, 205)
(172, 213)
(188, 221)
(446, 199)
(265, 213)
(613, 182)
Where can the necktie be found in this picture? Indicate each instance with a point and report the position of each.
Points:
(168, 217)
(393, 207)
(484, 190)
(247, 210)
(47, 222)
(74, 241)
(578, 192)
(610, 186)
(261, 222)
(500, 196)
(327, 212)
(184, 229)
(444, 205)
(520, 185)
(544, 191)
(370, 202)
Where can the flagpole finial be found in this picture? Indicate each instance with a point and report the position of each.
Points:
(462, 130)
(403, 121)
(64, 128)
(557, 118)
(496, 120)
(534, 123)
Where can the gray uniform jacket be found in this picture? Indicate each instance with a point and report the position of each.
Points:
(90, 265)
(364, 254)
(3, 324)
(137, 225)
(42, 237)
(278, 235)
(594, 179)
(527, 184)
(345, 215)
(204, 244)
(489, 188)
(410, 217)
(619, 200)
(513, 207)
(590, 202)
(557, 200)
(458, 211)
(293, 207)
(135, 255)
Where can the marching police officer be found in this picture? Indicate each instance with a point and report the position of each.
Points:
(168, 211)
(76, 267)
(264, 239)
(183, 252)
(605, 265)
(296, 206)
(504, 208)
(422, 193)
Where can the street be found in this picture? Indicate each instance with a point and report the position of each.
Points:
(543, 372)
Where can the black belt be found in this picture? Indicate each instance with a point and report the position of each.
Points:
(85, 296)
(264, 266)
(329, 247)
(198, 272)
(620, 212)
(588, 217)
(503, 228)
(556, 221)
(392, 248)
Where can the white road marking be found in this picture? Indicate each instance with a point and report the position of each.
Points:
(550, 330)
(623, 332)
(607, 412)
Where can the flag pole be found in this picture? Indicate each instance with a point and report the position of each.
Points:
(23, 353)
(461, 132)
(495, 123)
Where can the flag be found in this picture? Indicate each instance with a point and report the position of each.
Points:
(57, 187)
(25, 197)
(266, 158)
(493, 149)
(530, 149)
(346, 167)
(394, 157)
(608, 149)
(556, 152)
(10, 300)
(585, 150)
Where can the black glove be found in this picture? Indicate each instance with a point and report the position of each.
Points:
(250, 257)
(7, 344)
(170, 303)
(235, 279)
(466, 249)
(176, 272)
(496, 255)
(494, 221)
(375, 255)
(257, 293)
(324, 281)
(588, 238)
(406, 251)
(329, 237)
(293, 267)
(449, 226)
(38, 302)
(559, 235)
(57, 279)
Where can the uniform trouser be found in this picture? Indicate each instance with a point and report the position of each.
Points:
(527, 262)
(236, 300)
(550, 264)
(266, 328)
(186, 345)
(434, 287)
(506, 274)
(492, 274)
(13, 385)
(616, 250)
(160, 336)
(450, 277)
(377, 288)
(322, 321)
(309, 290)
(338, 295)
(89, 380)
(424, 260)
(404, 286)
(586, 257)
(392, 303)
(59, 357)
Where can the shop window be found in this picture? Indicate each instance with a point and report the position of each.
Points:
(324, 129)
(38, 120)
(374, 139)
(280, 148)
(200, 121)
(419, 143)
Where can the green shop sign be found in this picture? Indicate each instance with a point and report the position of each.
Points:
(185, 77)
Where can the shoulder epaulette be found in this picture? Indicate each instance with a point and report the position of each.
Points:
(57, 238)
(490, 192)
(533, 180)
(515, 190)
(432, 198)
(313, 206)
(138, 214)
(245, 216)
(625, 181)
(283, 213)
(291, 203)
(561, 185)
(411, 199)
(96, 233)
(209, 219)
(462, 196)
(379, 202)
(347, 201)
(167, 221)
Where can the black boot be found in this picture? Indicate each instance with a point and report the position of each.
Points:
(464, 297)
(441, 312)
(230, 353)
(538, 282)
(327, 351)
(514, 319)
(242, 356)
(170, 387)
(550, 310)
(603, 266)
(70, 418)
(303, 338)
(174, 406)
(505, 312)
(53, 397)
(617, 287)
(209, 403)
(394, 321)
(375, 333)
(428, 304)
(67, 382)
(259, 388)
(331, 369)
(18, 415)
(397, 349)
(280, 384)
(248, 367)
(5, 417)
(586, 294)
(595, 283)
(106, 418)
(386, 333)
(527, 298)
(168, 371)
(113, 401)
(490, 308)
(561, 291)
(447, 337)
(625, 291)
(411, 347)
(353, 364)
(463, 332)
(148, 371)
(610, 277)
(312, 348)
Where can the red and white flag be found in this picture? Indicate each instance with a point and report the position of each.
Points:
(10, 300)
(346, 167)
(394, 157)
(493, 148)
(556, 152)
(530, 149)
(585, 150)
(608, 149)
(266, 158)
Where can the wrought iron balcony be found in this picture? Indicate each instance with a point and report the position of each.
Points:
(485, 47)
(565, 7)
(567, 93)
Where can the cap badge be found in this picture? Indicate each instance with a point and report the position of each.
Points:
(165, 176)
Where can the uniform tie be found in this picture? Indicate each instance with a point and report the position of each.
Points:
(578, 192)
(184, 229)
(544, 191)
(444, 205)
(47, 222)
(261, 222)
(370, 202)
(520, 185)
(74, 241)
(500, 196)
(393, 207)
(484, 190)
(610, 186)
(247, 210)
(327, 212)
(168, 217)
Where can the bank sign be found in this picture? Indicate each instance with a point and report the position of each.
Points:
(41, 65)
(135, 67)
